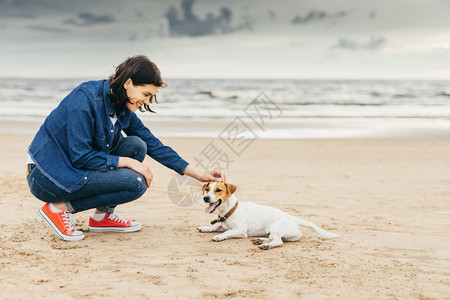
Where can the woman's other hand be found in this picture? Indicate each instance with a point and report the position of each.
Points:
(137, 166)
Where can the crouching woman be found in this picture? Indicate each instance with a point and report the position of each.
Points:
(79, 159)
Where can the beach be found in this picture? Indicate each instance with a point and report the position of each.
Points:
(388, 199)
(336, 112)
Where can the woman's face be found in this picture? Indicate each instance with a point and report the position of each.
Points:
(139, 94)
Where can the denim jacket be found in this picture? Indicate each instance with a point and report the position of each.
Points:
(75, 139)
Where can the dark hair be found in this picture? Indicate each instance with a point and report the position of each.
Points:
(141, 71)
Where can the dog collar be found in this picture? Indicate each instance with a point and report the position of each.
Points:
(224, 218)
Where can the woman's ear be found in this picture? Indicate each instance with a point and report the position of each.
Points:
(127, 83)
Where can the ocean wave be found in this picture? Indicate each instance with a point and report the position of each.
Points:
(231, 97)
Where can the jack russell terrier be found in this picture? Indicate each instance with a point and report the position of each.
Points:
(242, 219)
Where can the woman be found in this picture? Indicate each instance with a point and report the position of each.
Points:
(79, 159)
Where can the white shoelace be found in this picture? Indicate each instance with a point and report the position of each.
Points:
(72, 220)
(68, 221)
(116, 218)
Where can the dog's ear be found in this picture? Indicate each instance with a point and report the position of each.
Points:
(204, 187)
(231, 188)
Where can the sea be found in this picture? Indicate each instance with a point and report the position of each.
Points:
(281, 108)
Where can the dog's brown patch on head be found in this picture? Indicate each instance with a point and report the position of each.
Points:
(205, 187)
(224, 191)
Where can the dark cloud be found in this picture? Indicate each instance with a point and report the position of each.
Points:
(20, 2)
(271, 14)
(189, 24)
(17, 14)
(317, 16)
(88, 19)
(24, 9)
(373, 14)
(375, 43)
(48, 29)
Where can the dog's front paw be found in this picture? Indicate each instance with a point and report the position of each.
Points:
(218, 238)
(264, 247)
(202, 228)
(257, 241)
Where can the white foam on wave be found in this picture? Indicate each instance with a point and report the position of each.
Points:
(309, 108)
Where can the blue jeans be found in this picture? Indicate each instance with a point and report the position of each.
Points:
(103, 190)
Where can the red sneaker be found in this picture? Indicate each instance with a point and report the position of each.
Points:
(62, 223)
(112, 222)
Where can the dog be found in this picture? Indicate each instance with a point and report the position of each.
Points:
(243, 219)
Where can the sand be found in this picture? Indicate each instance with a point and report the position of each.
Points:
(387, 199)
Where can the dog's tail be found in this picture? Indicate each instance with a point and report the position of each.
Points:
(321, 232)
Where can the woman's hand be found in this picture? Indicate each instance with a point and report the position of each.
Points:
(214, 175)
(205, 176)
(137, 166)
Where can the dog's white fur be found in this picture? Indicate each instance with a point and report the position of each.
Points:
(251, 219)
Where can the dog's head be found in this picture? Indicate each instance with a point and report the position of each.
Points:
(216, 194)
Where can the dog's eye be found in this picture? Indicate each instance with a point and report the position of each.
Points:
(218, 190)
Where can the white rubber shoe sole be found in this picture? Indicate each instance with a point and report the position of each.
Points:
(76, 236)
(135, 226)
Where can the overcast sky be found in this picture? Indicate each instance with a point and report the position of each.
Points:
(237, 39)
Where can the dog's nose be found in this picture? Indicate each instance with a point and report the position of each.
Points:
(206, 199)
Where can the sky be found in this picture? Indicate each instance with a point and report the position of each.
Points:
(305, 39)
